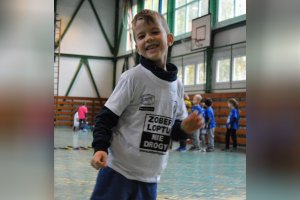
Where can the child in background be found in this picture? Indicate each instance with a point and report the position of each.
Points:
(76, 122)
(232, 124)
(82, 114)
(188, 105)
(195, 137)
(210, 124)
(146, 109)
(203, 132)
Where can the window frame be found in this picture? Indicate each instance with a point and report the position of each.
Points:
(186, 33)
(217, 70)
(196, 66)
(228, 21)
(129, 29)
(233, 67)
(159, 1)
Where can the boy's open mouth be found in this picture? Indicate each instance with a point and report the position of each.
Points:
(152, 46)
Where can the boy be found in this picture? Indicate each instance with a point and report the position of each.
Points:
(203, 130)
(76, 122)
(82, 115)
(133, 130)
(196, 108)
(210, 124)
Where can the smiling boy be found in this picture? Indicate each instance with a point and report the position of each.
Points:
(146, 109)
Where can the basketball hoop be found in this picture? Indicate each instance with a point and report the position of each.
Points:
(201, 32)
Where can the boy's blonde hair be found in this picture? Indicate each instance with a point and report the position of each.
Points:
(149, 17)
(198, 97)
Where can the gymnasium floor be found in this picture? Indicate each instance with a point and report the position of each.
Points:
(188, 176)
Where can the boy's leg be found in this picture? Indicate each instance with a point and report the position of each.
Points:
(227, 139)
(145, 191)
(196, 140)
(211, 138)
(234, 138)
(203, 139)
(112, 185)
(182, 143)
(203, 142)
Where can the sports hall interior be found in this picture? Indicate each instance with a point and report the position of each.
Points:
(94, 45)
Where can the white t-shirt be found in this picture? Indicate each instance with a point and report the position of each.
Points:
(147, 107)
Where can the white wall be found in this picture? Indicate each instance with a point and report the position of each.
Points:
(120, 64)
(84, 37)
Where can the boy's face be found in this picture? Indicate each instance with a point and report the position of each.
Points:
(229, 105)
(152, 40)
(195, 100)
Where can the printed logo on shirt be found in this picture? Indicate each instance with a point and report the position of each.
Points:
(156, 134)
(147, 100)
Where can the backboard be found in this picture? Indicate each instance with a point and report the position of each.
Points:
(201, 32)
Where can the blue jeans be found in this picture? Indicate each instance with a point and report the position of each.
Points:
(111, 185)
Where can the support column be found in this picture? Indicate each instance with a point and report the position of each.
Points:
(209, 51)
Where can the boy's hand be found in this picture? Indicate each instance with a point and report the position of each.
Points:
(99, 160)
(193, 122)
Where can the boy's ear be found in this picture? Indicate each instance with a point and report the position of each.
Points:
(170, 39)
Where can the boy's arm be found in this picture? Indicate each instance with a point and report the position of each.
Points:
(102, 133)
(177, 133)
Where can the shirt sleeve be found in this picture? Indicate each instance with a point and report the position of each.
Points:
(181, 112)
(102, 133)
(121, 96)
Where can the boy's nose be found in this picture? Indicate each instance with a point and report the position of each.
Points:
(149, 38)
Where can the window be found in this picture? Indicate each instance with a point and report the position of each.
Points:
(164, 8)
(185, 11)
(189, 75)
(228, 9)
(223, 70)
(151, 4)
(201, 74)
(154, 5)
(179, 74)
(129, 34)
(239, 68)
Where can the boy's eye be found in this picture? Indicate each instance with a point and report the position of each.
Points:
(140, 37)
(155, 32)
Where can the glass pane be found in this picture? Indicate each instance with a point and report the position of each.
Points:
(180, 21)
(192, 13)
(134, 10)
(223, 70)
(155, 5)
(179, 74)
(165, 16)
(148, 4)
(239, 68)
(188, 1)
(200, 9)
(201, 73)
(164, 6)
(225, 10)
(130, 41)
(189, 75)
(240, 7)
(203, 7)
(179, 3)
